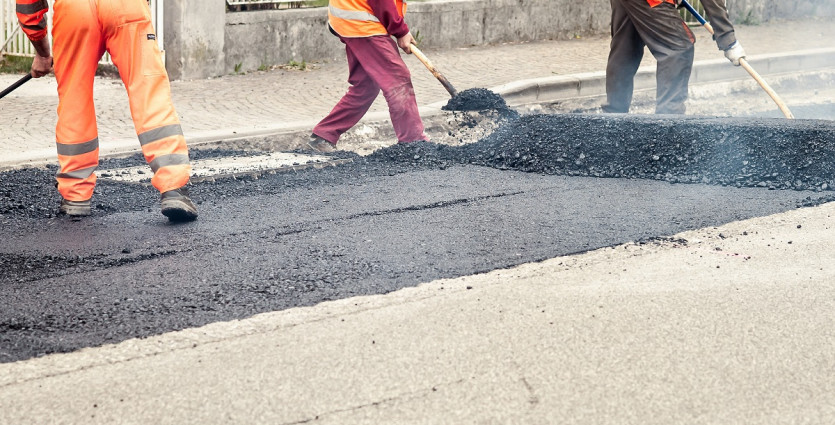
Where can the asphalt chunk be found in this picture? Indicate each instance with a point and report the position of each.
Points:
(476, 99)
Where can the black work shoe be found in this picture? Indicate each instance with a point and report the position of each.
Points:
(177, 206)
(75, 208)
(319, 144)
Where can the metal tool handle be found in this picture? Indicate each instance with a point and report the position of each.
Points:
(744, 64)
(434, 71)
(15, 85)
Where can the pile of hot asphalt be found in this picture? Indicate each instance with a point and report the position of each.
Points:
(773, 153)
(477, 99)
(749, 152)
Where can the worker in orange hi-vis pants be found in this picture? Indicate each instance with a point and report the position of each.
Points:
(82, 31)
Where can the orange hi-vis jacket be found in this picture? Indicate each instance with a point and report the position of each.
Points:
(355, 18)
(31, 13)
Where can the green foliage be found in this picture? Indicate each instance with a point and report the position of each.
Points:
(15, 64)
(299, 66)
(238, 67)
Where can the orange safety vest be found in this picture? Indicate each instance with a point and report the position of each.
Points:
(354, 18)
(653, 3)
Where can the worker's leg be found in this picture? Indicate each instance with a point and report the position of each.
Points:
(131, 41)
(671, 43)
(381, 60)
(77, 48)
(353, 106)
(625, 54)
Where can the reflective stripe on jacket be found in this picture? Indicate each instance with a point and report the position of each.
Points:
(355, 18)
(653, 3)
(31, 13)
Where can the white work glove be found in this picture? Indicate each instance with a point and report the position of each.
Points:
(735, 53)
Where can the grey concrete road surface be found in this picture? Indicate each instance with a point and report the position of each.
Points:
(729, 324)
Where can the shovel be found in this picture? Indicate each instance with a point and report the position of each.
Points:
(426, 62)
(15, 85)
(743, 63)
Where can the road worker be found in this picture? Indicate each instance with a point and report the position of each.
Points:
(82, 31)
(657, 25)
(366, 28)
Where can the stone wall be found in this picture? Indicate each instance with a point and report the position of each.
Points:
(204, 41)
(194, 46)
(757, 11)
(277, 37)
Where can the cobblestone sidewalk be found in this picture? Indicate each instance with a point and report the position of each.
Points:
(227, 106)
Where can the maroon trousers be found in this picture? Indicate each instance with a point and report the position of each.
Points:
(374, 63)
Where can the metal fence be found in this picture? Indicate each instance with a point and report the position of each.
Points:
(13, 42)
(248, 5)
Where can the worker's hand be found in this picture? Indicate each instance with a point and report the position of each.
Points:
(406, 42)
(735, 53)
(42, 65)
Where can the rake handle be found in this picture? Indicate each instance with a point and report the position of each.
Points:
(15, 85)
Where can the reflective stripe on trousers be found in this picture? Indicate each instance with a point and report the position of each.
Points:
(82, 31)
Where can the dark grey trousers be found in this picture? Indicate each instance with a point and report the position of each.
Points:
(634, 25)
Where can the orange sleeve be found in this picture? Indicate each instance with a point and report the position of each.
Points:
(31, 14)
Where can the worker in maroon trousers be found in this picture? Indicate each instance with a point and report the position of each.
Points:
(366, 28)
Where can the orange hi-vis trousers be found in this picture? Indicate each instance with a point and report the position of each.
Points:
(82, 31)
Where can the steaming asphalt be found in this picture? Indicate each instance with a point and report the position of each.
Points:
(400, 217)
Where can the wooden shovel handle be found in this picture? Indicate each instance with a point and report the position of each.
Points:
(744, 63)
(426, 62)
(780, 104)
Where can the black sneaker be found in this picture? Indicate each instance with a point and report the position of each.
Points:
(177, 206)
(75, 208)
(319, 144)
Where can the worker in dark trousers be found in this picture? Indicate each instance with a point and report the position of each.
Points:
(657, 25)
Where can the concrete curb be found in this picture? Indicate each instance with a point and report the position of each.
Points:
(594, 83)
(293, 135)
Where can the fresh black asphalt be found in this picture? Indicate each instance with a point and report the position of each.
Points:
(540, 187)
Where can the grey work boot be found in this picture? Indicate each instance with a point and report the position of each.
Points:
(75, 208)
(177, 206)
(319, 144)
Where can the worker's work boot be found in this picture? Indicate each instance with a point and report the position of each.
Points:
(319, 144)
(177, 206)
(75, 208)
